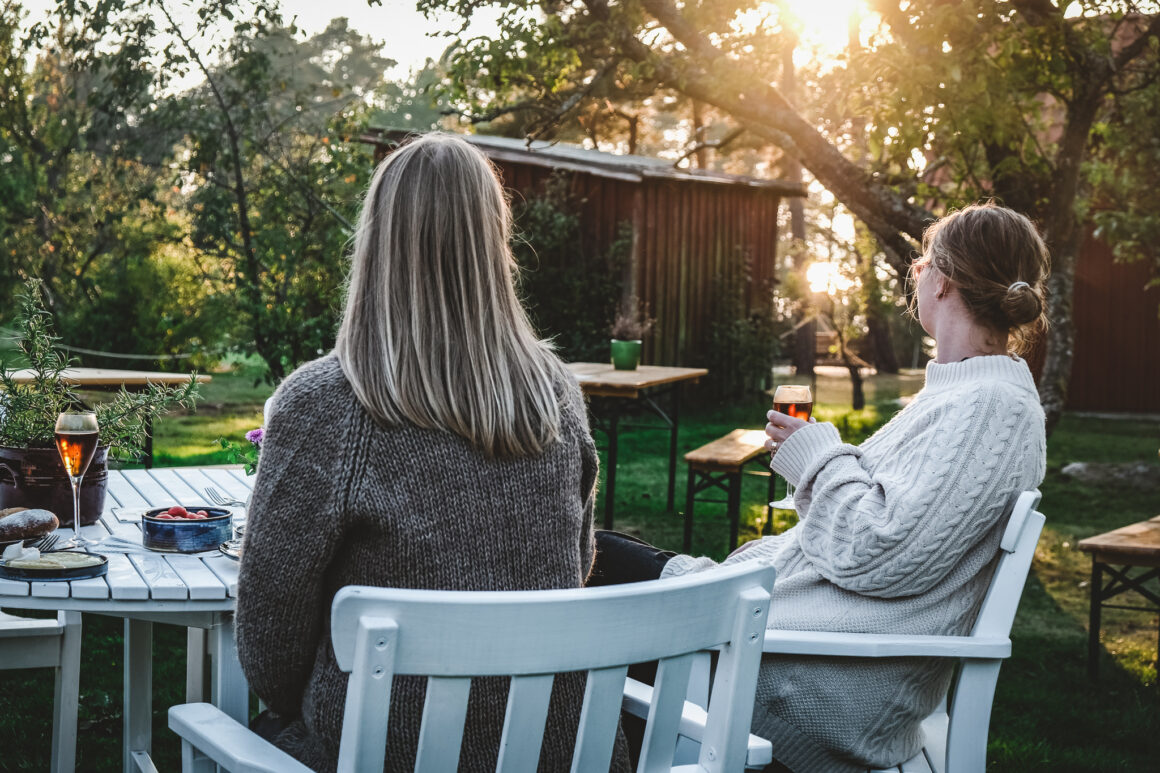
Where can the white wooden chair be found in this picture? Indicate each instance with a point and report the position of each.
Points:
(31, 643)
(956, 737)
(529, 635)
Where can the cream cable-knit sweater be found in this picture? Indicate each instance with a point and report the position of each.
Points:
(898, 535)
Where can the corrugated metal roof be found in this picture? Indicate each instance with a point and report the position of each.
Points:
(559, 155)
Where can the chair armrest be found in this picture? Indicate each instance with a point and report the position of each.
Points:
(638, 697)
(877, 645)
(229, 743)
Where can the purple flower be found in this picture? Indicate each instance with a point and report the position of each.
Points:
(255, 436)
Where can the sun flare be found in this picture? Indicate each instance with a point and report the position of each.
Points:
(822, 23)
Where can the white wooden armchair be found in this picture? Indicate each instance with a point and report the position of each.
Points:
(530, 635)
(34, 643)
(956, 735)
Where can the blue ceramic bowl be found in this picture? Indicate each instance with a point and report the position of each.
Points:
(188, 535)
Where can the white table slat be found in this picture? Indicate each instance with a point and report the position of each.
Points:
(233, 481)
(201, 582)
(163, 582)
(13, 588)
(226, 570)
(123, 493)
(95, 588)
(152, 491)
(49, 590)
(180, 491)
(125, 582)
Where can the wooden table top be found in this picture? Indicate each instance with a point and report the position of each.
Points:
(602, 380)
(1137, 544)
(111, 377)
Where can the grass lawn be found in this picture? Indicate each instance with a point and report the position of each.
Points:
(1047, 715)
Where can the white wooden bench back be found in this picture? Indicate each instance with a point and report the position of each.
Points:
(452, 636)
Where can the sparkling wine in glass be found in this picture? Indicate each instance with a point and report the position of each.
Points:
(797, 401)
(76, 441)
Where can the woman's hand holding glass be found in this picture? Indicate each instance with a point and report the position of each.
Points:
(790, 400)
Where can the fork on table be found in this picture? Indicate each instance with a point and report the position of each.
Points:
(46, 543)
(216, 497)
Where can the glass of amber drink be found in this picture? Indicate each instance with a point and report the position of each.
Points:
(76, 442)
(797, 401)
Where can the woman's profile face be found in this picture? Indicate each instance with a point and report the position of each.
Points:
(926, 286)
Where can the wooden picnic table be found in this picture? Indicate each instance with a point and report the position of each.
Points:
(623, 390)
(196, 591)
(1117, 553)
(111, 379)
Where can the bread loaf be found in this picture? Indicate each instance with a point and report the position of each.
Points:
(18, 523)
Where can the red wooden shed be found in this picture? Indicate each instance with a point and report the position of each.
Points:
(689, 227)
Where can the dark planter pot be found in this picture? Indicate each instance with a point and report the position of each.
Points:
(34, 477)
(625, 354)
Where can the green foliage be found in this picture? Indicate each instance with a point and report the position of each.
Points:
(741, 344)
(569, 289)
(28, 411)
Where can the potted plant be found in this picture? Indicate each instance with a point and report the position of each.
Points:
(31, 473)
(631, 325)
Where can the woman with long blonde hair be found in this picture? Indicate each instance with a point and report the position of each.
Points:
(440, 445)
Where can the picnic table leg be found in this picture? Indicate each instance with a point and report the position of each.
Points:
(1094, 619)
(138, 730)
(674, 423)
(610, 478)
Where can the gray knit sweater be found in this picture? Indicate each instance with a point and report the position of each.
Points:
(898, 535)
(340, 500)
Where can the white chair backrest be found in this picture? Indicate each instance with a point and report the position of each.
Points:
(962, 744)
(1016, 549)
(451, 636)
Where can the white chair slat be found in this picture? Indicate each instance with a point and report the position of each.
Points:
(596, 736)
(727, 731)
(441, 731)
(368, 695)
(660, 738)
(916, 764)
(523, 725)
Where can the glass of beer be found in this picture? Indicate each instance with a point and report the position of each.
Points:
(76, 442)
(797, 401)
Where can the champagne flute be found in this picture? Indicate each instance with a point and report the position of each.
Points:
(797, 401)
(76, 441)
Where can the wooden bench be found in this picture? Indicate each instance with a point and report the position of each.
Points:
(718, 465)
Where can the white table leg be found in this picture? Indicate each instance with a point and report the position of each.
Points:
(195, 656)
(231, 692)
(138, 730)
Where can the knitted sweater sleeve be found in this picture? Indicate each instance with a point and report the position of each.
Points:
(293, 531)
(898, 529)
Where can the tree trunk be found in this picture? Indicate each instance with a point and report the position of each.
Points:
(881, 352)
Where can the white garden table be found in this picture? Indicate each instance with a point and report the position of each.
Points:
(197, 592)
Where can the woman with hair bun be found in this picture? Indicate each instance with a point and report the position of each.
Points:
(899, 534)
(441, 445)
